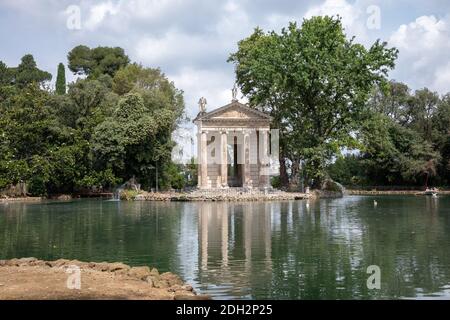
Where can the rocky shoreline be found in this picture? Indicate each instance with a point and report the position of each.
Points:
(31, 278)
(21, 199)
(390, 192)
(221, 195)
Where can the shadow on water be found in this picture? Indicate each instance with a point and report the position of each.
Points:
(280, 250)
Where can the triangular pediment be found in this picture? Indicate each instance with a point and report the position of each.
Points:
(234, 111)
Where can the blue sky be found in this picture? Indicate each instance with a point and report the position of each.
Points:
(191, 40)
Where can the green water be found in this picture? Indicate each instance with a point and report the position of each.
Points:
(281, 250)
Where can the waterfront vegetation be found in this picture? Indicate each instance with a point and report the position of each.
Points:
(326, 93)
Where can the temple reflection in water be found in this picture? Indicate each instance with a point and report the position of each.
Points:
(237, 233)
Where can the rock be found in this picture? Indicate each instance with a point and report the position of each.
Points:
(171, 279)
(59, 263)
(64, 197)
(187, 287)
(13, 262)
(119, 268)
(161, 283)
(39, 263)
(154, 272)
(26, 261)
(101, 266)
(183, 296)
(331, 187)
(151, 281)
(139, 272)
(139, 197)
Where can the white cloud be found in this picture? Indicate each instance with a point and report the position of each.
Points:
(99, 12)
(213, 84)
(353, 16)
(441, 82)
(423, 46)
(174, 46)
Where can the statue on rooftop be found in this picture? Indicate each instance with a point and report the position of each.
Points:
(202, 104)
(234, 92)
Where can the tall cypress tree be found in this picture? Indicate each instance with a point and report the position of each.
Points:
(61, 80)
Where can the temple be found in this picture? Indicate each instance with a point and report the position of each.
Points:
(233, 146)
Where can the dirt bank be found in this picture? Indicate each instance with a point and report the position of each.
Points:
(30, 278)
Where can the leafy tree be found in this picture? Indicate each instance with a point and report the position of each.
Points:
(348, 170)
(441, 126)
(392, 100)
(27, 72)
(394, 154)
(91, 137)
(315, 83)
(97, 61)
(134, 138)
(5, 74)
(423, 107)
(61, 80)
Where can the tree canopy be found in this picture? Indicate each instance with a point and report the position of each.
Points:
(315, 82)
(97, 61)
(107, 128)
(404, 140)
(61, 80)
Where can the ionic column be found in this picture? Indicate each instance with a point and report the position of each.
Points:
(264, 159)
(246, 158)
(203, 160)
(224, 159)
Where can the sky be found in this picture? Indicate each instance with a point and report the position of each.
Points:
(190, 40)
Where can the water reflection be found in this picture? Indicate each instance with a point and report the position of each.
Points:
(281, 250)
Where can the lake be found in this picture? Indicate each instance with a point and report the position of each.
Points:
(260, 250)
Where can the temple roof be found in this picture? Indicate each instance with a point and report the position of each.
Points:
(234, 111)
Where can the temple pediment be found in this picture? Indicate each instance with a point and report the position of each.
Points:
(234, 111)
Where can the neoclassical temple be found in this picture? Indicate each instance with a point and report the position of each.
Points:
(233, 146)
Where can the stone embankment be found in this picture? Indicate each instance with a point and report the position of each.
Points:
(20, 199)
(221, 195)
(391, 192)
(30, 278)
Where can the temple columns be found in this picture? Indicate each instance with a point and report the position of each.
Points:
(246, 158)
(224, 159)
(203, 181)
(263, 156)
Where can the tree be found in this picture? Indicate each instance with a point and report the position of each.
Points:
(422, 108)
(394, 154)
(98, 61)
(315, 83)
(27, 72)
(91, 136)
(61, 80)
(393, 100)
(134, 138)
(5, 74)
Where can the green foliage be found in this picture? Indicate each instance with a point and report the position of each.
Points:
(173, 178)
(128, 195)
(61, 80)
(347, 170)
(97, 61)
(406, 135)
(27, 72)
(90, 138)
(6, 77)
(315, 83)
(100, 180)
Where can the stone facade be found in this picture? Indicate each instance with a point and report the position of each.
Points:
(233, 147)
